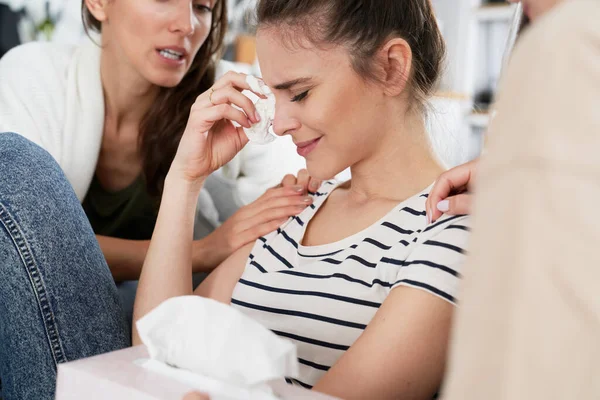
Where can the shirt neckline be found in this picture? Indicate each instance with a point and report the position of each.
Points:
(342, 244)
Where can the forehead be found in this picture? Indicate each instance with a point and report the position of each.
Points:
(283, 58)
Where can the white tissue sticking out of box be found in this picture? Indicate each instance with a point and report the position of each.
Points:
(215, 340)
(261, 132)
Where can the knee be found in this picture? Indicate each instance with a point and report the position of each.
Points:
(23, 161)
(21, 155)
(18, 149)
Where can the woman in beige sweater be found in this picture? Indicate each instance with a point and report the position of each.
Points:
(529, 323)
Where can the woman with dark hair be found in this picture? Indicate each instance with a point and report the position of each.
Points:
(112, 114)
(359, 281)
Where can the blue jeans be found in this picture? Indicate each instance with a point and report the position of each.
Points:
(58, 300)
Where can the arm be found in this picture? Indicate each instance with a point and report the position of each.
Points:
(401, 354)
(167, 271)
(209, 141)
(124, 257)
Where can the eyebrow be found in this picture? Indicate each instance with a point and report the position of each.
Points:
(290, 84)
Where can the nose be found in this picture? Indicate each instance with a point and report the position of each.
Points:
(184, 19)
(283, 122)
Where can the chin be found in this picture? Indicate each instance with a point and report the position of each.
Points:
(167, 80)
(323, 171)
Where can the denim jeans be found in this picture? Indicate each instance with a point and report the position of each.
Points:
(58, 300)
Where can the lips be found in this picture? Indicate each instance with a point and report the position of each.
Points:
(305, 148)
(173, 54)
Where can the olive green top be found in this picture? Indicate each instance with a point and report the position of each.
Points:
(129, 213)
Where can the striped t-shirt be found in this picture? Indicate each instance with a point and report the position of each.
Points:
(323, 297)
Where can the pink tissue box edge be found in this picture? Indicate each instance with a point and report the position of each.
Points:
(115, 376)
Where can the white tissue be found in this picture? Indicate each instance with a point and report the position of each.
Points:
(261, 132)
(217, 341)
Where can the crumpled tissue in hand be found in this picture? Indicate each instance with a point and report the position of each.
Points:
(262, 131)
(217, 341)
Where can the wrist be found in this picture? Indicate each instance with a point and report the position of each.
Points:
(175, 182)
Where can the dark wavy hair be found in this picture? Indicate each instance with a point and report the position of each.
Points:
(163, 125)
(363, 26)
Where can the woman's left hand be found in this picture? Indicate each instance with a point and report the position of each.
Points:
(308, 183)
(211, 139)
(262, 216)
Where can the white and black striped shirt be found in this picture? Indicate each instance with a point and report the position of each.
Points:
(323, 297)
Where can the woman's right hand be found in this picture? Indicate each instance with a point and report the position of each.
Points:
(210, 139)
(451, 192)
(250, 222)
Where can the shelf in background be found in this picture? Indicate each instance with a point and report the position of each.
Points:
(479, 120)
(495, 12)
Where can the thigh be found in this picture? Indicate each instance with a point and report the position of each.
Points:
(58, 301)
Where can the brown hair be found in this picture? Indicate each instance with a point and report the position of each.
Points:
(363, 26)
(163, 125)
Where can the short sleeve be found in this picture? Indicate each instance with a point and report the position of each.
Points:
(435, 263)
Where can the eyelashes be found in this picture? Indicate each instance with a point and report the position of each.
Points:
(299, 97)
(202, 8)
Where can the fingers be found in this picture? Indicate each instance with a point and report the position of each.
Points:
(310, 184)
(264, 201)
(288, 180)
(314, 185)
(237, 81)
(275, 208)
(224, 111)
(233, 79)
(456, 205)
(229, 95)
(454, 181)
(302, 180)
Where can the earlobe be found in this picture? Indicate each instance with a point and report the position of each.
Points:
(97, 8)
(397, 56)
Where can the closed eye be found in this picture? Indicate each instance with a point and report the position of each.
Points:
(202, 8)
(299, 97)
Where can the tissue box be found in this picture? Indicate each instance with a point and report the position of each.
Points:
(117, 376)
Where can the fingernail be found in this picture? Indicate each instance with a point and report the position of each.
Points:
(443, 205)
(298, 188)
(313, 186)
(428, 217)
(256, 116)
(307, 200)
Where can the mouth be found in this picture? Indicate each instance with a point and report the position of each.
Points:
(173, 54)
(305, 148)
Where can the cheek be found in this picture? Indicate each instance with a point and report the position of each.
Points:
(201, 33)
(346, 116)
(133, 30)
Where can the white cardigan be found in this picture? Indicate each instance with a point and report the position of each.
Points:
(52, 94)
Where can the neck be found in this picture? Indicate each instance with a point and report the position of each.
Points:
(402, 165)
(127, 95)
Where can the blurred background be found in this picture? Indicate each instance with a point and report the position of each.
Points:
(476, 32)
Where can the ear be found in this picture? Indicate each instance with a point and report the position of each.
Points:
(97, 8)
(396, 56)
